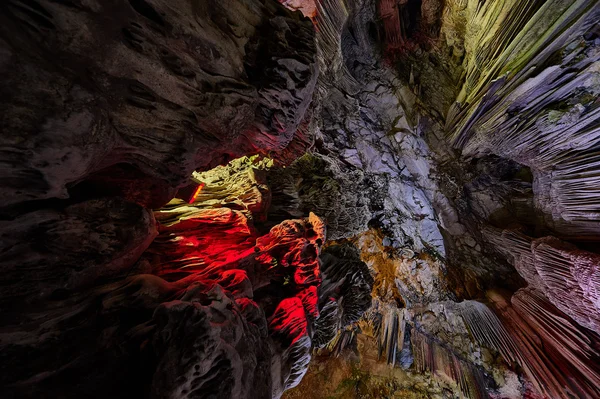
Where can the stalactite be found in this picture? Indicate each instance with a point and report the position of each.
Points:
(517, 338)
(388, 9)
(331, 17)
(559, 357)
(431, 357)
(568, 194)
(565, 274)
(516, 248)
(538, 368)
(510, 36)
(531, 80)
(390, 332)
(573, 349)
(408, 23)
(562, 287)
(488, 330)
(571, 279)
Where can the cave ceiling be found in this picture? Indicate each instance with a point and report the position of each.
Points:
(300, 199)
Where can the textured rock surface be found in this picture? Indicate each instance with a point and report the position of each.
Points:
(320, 184)
(169, 88)
(199, 319)
(473, 114)
(70, 249)
(345, 293)
(107, 110)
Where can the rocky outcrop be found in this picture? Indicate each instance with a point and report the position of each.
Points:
(365, 136)
(164, 162)
(168, 88)
(431, 357)
(200, 319)
(345, 294)
(315, 183)
(401, 275)
(109, 111)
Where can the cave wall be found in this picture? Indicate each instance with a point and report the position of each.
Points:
(164, 87)
(112, 286)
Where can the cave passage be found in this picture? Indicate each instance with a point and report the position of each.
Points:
(300, 199)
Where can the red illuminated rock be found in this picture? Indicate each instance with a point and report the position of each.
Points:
(308, 7)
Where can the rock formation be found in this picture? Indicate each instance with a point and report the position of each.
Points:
(167, 88)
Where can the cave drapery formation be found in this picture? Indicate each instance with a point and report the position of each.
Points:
(300, 198)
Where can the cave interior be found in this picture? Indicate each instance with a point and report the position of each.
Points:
(300, 199)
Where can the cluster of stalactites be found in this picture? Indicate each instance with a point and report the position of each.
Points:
(557, 355)
(390, 333)
(329, 18)
(431, 356)
(567, 276)
(522, 330)
(385, 322)
(307, 7)
(555, 320)
(488, 330)
(407, 23)
(401, 344)
(507, 39)
(529, 96)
